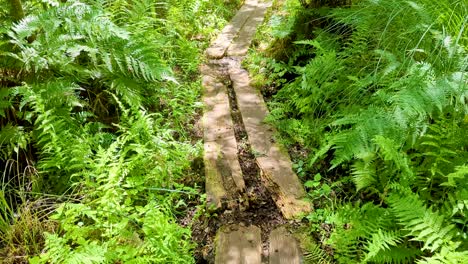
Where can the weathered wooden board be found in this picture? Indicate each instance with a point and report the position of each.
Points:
(284, 248)
(224, 39)
(242, 42)
(222, 169)
(272, 159)
(238, 245)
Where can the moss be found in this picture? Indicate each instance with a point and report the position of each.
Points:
(16, 10)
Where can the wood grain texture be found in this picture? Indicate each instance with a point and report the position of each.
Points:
(222, 169)
(284, 248)
(238, 245)
(272, 158)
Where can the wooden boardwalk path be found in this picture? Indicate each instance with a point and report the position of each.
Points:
(225, 186)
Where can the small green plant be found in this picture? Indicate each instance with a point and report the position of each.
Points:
(318, 188)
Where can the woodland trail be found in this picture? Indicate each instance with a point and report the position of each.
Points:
(249, 177)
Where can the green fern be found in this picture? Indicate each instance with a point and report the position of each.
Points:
(381, 241)
(353, 226)
(118, 196)
(421, 223)
(398, 254)
(447, 255)
(314, 254)
(456, 178)
(386, 247)
(364, 174)
(90, 108)
(377, 91)
(93, 48)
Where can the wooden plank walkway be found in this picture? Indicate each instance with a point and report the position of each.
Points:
(241, 44)
(284, 248)
(227, 35)
(222, 169)
(237, 243)
(272, 159)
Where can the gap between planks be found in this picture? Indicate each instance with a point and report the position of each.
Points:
(272, 159)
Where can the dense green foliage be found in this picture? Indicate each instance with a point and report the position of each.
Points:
(96, 100)
(375, 96)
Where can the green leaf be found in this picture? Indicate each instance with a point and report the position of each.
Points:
(317, 177)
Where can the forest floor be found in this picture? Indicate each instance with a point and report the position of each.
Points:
(251, 188)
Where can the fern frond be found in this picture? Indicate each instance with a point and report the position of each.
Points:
(364, 174)
(446, 255)
(313, 254)
(358, 140)
(421, 223)
(354, 225)
(401, 254)
(381, 241)
(461, 172)
(88, 42)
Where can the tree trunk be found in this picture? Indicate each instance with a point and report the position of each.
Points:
(16, 10)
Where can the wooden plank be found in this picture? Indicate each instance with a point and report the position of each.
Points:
(222, 169)
(272, 159)
(284, 248)
(241, 44)
(238, 245)
(229, 32)
(217, 122)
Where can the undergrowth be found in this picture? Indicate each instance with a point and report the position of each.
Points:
(371, 97)
(97, 99)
